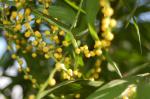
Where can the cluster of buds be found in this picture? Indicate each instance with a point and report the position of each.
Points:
(129, 92)
(107, 22)
(46, 4)
(96, 70)
(85, 50)
(21, 29)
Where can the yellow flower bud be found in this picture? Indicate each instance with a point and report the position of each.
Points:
(97, 44)
(34, 55)
(29, 18)
(45, 49)
(92, 53)
(35, 42)
(33, 81)
(75, 72)
(52, 82)
(67, 60)
(47, 32)
(87, 55)
(98, 70)
(20, 62)
(28, 69)
(103, 3)
(62, 33)
(59, 50)
(26, 77)
(27, 34)
(27, 11)
(56, 55)
(46, 5)
(109, 36)
(18, 4)
(17, 46)
(65, 43)
(105, 22)
(79, 74)
(98, 52)
(27, 25)
(13, 56)
(108, 11)
(113, 23)
(45, 11)
(105, 43)
(31, 97)
(70, 72)
(14, 15)
(77, 50)
(65, 76)
(54, 28)
(85, 47)
(55, 38)
(37, 34)
(98, 63)
(60, 66)
(18, 27)
(20, 16)
(38, 21)
(77, 96)
(47, 56)
(5, 22)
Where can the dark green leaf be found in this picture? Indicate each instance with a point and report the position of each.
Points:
(92, 8)
(62, 13)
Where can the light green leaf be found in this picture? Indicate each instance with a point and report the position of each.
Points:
(138, 33)
(93, 32)
(112, 63)
(80, 60)
(109, 91)
(73, 5)
(117, 88)
(44, 93)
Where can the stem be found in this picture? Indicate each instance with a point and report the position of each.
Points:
(43, 87)
(77, 16)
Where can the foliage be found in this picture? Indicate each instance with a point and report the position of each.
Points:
(87, 49)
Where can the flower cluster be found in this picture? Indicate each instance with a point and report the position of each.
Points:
(21, 29)
(107, 22)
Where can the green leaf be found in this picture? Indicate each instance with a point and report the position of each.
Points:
(44, 93)
(73, 86)
(6, 60)
(62, 13)
(93, 32)
(92, 8)
(143, 88)
(67, 37)
(95, 83)
(138, 33)
(112, 63)
(131, 15)
(117, 88)
(110, 90)
(74, 24)
(80, 60)
(137, 69)
(73, 5)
